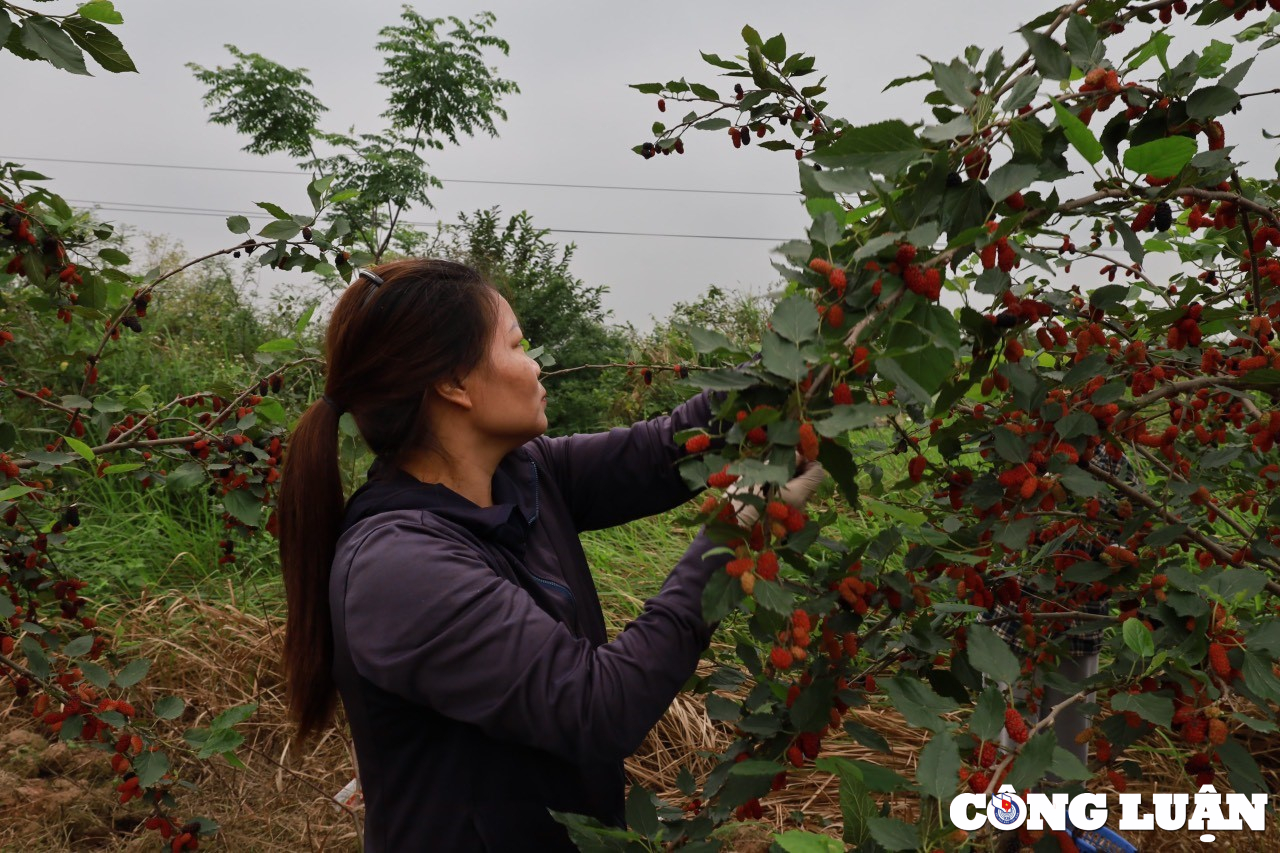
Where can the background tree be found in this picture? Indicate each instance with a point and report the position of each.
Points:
(437, 85)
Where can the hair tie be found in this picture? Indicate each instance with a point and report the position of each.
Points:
(333, 405)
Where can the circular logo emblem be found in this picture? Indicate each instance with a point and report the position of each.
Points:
(1006, 810)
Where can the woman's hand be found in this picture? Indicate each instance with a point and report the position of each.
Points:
(796, 493)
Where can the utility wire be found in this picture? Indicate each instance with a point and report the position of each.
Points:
(443, 180)
(167, 210)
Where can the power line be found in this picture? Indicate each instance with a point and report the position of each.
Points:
(173, 210)
(443, 180)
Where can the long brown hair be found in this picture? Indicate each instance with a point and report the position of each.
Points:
(386, 345)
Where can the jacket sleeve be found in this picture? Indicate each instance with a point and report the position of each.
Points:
(613, 477)
(442, 629)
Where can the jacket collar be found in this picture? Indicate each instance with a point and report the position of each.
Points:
(515, 499)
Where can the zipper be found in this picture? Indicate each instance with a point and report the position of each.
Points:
(545, 581)
(554, 585)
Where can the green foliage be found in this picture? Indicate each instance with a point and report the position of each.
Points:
(438, 86)
(62, 40)
(261, 99)
(1007, 407)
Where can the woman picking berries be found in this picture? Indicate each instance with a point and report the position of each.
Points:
(449, 602)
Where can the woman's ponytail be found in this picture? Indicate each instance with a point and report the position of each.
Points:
(310, 508)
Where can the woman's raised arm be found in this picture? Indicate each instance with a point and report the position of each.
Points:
(625, 473)
(424, 617)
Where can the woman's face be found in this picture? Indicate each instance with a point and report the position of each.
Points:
(509, 403)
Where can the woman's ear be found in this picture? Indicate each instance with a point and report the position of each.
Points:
(454, 391)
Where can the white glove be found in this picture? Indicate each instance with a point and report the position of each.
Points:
(795, 494)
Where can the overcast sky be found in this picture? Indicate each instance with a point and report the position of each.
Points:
(574, 121)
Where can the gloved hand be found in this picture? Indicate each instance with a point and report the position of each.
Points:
(795, 494)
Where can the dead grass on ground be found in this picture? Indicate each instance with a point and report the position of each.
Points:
(55, 797)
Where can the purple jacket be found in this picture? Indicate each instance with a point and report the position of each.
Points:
(470, 646)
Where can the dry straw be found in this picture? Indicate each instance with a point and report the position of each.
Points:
(57, 798)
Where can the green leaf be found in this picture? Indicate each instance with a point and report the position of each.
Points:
(1213, 59)
(991, 655)
(45, 39)
(274, 209)
(1076, 424)
(1051, 59)
(244, 506)
(113, 256)
(1011, 448)
(1010, 178)
(104, 11)
(890, 369)
(886, 147)
(713, 59)
(795, 319)
(892, 834)
(988, 714)
(1242, 770)
(78, 646)
(917, 702)
(868, 737)
(1163, 158)
(1022, 93)
(1138, 638)
(6, 27)
(281, 229)
(1066, 766)
(150, 766)
(938, 773)
(169, 708)
(1156, 46)
(238, 224)
(1028, 138)
(1148, 706)
(845, 418)
(1080, 137)
(1082, 40)
(133, 673)
(720, 596)
(705, 341)
(797, 841)
(1033, 760)
(234, 716)
(100, 43)
(79, 447)
(278, 345)
(95, 675)
(271, 410)
(121, 468)
(1211, 102)
(186, 476)
(642, 815)
(781, 357)
(1081, 482)
(775, 49)
(954, 82)
(772, 596)
(10, 492)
